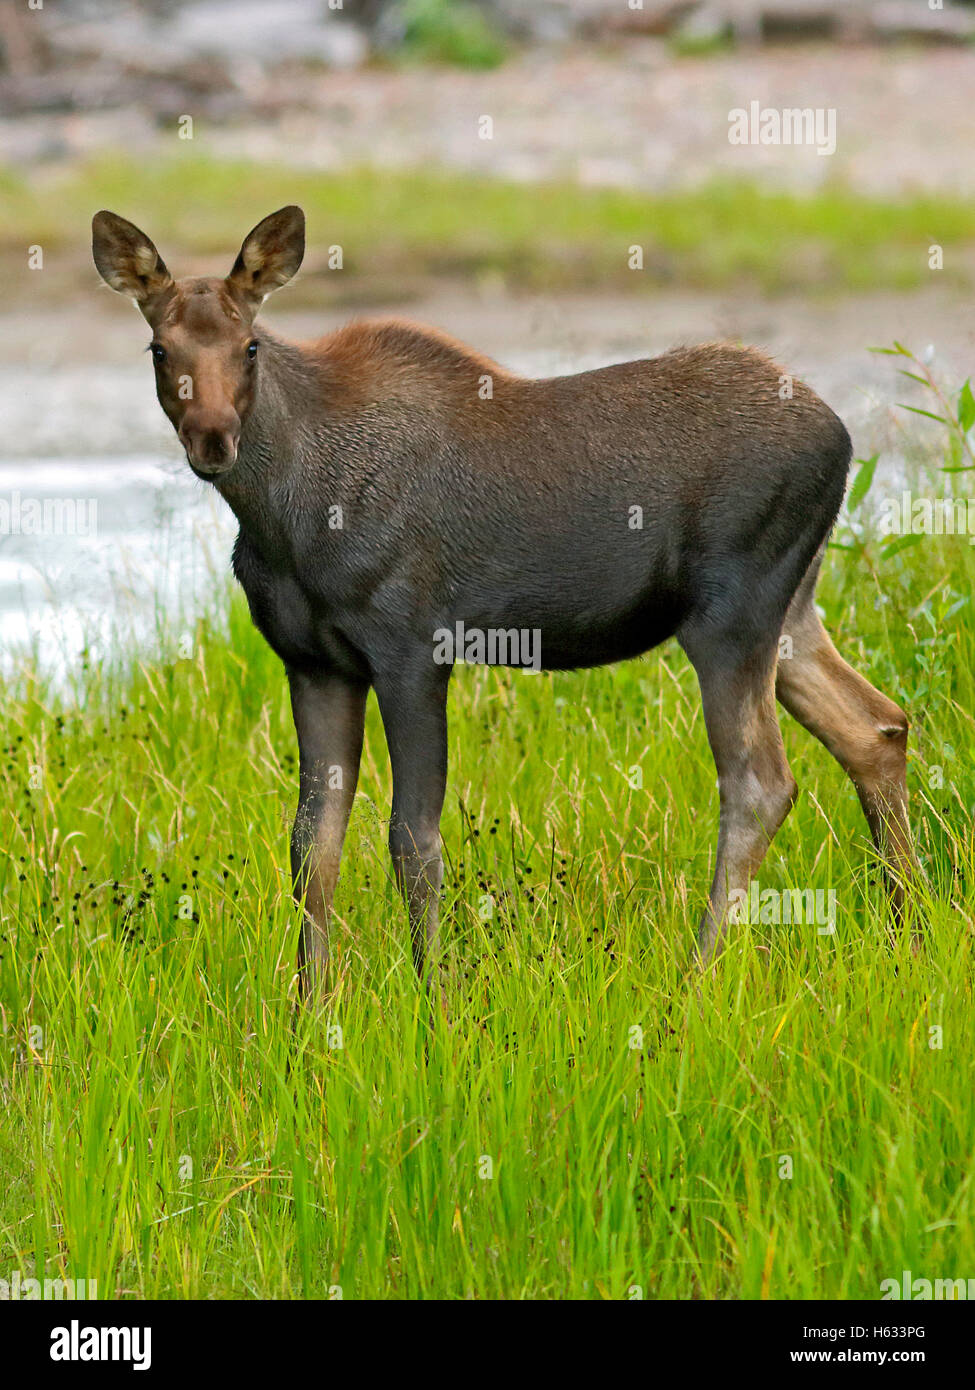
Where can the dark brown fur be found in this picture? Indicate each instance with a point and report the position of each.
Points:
(470, 495)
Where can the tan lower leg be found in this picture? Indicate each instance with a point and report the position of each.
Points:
(864, 730)
(757, 790)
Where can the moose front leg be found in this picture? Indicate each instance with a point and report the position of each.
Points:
(413, 705)
(329, 715)
(756, 786)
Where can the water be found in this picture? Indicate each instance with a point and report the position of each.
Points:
(93, 549)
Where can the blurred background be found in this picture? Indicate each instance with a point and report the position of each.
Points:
(551, 180)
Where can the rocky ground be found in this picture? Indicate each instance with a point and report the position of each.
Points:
(614, 108)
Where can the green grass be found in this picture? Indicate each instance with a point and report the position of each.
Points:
(450, 31)
(407, 224)
(167, 1130)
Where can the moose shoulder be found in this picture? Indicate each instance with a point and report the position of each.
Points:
(395, 489)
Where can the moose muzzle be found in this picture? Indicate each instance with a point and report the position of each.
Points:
(210, 441)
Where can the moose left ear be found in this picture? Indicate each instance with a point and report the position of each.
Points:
(127, 260)
(269, 256)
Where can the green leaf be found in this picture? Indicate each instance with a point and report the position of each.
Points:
(916, 410)
(900, 543)
(861, 483)
(966, 407)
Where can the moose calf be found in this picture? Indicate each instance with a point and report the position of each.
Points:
(471, 496)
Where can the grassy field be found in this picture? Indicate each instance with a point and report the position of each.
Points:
(396, 227)
(594, 1122)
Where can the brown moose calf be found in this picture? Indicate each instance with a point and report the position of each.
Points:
(473, 500)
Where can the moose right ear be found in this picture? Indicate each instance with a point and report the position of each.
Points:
(127, 260)
(271, 253)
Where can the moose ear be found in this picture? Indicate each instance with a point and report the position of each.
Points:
(127, 260)
(269, 256)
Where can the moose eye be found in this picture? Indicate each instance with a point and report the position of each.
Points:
(158, 353)
(251, 351)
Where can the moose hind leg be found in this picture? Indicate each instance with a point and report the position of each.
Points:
(864, 730)
(755, 784)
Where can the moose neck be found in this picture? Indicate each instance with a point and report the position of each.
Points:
(283, 445)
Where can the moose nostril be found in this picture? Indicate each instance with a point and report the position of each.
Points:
(211, 449)
(210, 439)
